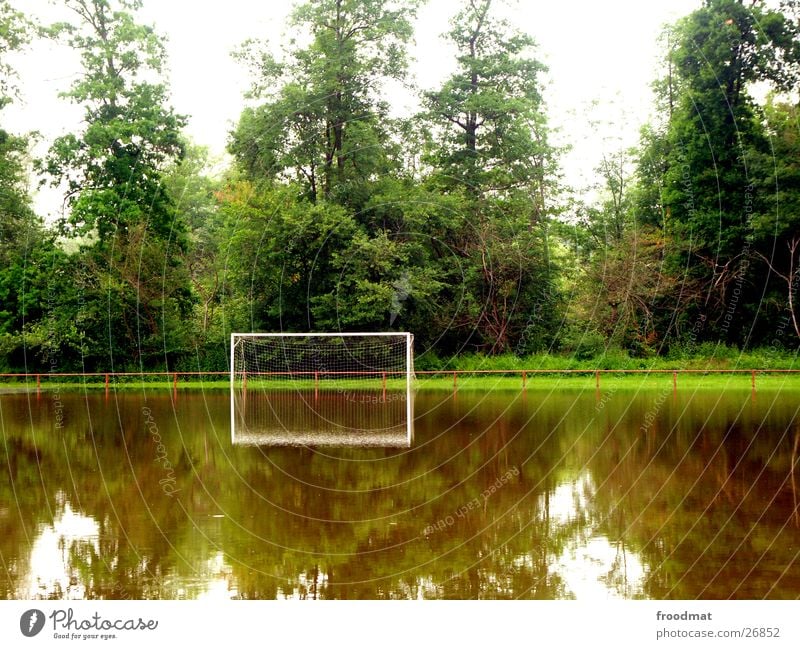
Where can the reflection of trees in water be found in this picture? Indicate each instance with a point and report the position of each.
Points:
(633, 510)
(107, 477)
(711, 501)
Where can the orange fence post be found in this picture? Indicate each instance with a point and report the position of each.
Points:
(455, 381)
(524, 379)
(674, 382)
(38, 383)
(384, 386)
(753, 380)
(597, 379)
(175, 381)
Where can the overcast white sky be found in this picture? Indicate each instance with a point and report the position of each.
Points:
(597, 51)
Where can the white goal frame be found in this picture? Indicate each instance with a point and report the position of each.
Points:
(238, 337)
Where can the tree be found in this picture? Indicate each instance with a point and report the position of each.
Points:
(489, 144)
(113, 171)
(654, 145)
(613, 211)
(15, 33)
(624, 289)
(490, 127)
(27, 252)
(327, 125)
(194, 193)
(353, 259)
(707, 150)
(15, 202)
(281, 255)
(776, 225)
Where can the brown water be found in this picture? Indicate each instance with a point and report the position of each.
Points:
(554, 495)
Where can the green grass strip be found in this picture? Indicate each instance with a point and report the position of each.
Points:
(554, 381)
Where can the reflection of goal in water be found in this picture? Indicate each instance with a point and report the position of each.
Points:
(322, 389)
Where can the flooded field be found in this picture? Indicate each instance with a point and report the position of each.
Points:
(549, 494)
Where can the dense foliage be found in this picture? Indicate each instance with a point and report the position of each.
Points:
(453, 223)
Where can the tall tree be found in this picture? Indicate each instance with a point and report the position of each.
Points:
(26, 250)
(193, 191)
(776, 222)
(489, 143)
(133, 280)
(15, 32)
(706, 153)
(489, 115)
(15, 203)
(113, 168)
(327, 124)
(324, 135)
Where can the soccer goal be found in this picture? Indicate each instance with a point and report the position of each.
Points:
(344, 389)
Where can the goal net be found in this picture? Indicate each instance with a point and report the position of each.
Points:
(322, 389)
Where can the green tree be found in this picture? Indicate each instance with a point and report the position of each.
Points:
(776, 223)
(488, 117)
(327, 125)
(15, 202)
(15, 33)
(654, 148)
(280, 255)
(623, 291)
(623, 286)
(113, 170)
(27, 251)
(713, 132)
(612, 212)
(489, 144)
(358, 256)
(194, 192)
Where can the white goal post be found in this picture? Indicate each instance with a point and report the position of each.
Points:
(322, 388)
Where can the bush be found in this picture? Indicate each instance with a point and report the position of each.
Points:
(583, 344)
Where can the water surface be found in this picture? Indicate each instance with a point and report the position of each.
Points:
(501, 495)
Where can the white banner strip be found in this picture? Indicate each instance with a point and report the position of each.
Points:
(399, 624)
